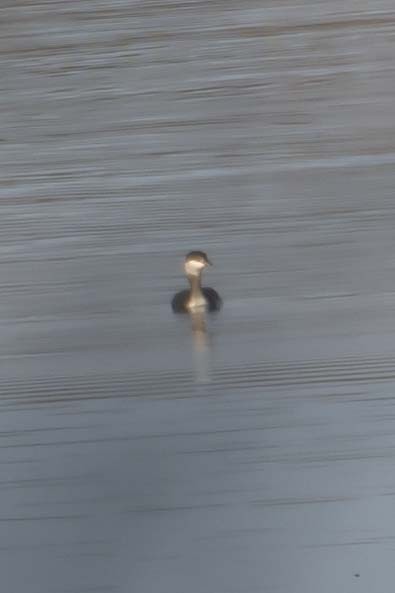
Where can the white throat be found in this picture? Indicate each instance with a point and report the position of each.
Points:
(197, 300)
(193, 267)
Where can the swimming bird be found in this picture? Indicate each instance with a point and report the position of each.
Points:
(197, 298)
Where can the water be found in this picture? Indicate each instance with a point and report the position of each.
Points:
(259, 458)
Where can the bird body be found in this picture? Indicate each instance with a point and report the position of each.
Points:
(182, 302)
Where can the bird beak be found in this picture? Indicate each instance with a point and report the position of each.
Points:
(208, 262)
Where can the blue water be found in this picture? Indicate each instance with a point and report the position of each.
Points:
(138, 456)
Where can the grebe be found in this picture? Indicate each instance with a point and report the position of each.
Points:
(197, 298)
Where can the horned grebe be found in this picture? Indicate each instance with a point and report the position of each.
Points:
(197, 297)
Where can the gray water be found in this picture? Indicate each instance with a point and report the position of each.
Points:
(134, 457)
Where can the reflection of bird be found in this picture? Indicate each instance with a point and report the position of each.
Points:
(197, 298)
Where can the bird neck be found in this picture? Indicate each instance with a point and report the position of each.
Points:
(196, 285)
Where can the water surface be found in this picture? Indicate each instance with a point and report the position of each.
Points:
(131, 133)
